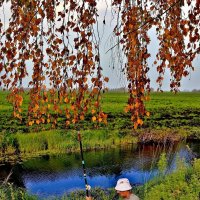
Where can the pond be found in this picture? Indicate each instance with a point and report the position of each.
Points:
(56, 175)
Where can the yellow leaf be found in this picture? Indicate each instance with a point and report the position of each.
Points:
(100, 119)
(147, 114)
(48, 120)
(31, 123)
(94, 118)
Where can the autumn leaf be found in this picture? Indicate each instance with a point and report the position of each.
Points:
(135, 125)
(66, 100)
(66, 56)
(82, 117)
(67, 123)
(35, 108)
(147, 114)
(30, 123)
(106, 79)
(100, 119)
(93, 111)
(139, 121)
(94, 118)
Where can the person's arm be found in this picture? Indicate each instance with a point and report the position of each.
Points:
(89, 198)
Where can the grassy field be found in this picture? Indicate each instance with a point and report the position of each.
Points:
(167, 110)
(169, 113)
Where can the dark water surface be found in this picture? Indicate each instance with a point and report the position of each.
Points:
(56, 175)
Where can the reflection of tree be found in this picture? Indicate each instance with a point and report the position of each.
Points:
(16, 176)
(148, 155)
(195, 147)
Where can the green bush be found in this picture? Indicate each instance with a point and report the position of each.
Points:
(183, 184)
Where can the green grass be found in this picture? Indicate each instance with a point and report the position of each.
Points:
(57, 141)
(9, 192)
(167, 110)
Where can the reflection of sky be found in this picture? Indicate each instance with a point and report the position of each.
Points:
(58, 183)
(63, 185)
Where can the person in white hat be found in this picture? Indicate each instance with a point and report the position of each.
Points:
(123, 188)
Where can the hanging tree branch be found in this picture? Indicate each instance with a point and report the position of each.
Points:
(58, 39)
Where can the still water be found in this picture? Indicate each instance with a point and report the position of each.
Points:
(56, 175)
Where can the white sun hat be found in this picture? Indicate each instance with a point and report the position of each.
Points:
(123, 184)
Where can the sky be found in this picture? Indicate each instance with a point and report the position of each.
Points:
(111, 68)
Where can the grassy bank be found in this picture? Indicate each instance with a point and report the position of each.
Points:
(60, 141)
(23, 145)
(182, 184)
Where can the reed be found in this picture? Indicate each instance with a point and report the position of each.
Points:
(55, 141)
(10, 192)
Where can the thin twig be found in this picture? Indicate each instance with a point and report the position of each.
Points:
(147, 22)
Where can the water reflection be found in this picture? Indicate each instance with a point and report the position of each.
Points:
(55, 175)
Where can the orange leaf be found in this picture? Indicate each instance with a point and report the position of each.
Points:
(66, 100)
(82, 117)
(137, 105)
(93, 111)
(67, 123)
(139, 121)
(43, 120)
(72, 107)
(106, 79)
(68, 115)
(135, 125)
